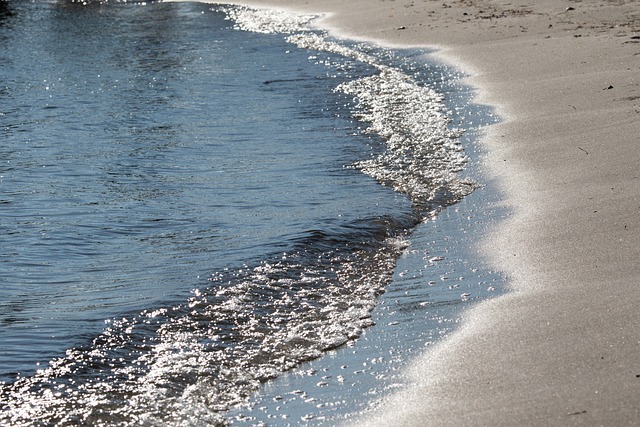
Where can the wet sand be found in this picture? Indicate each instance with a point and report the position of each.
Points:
(562, 347)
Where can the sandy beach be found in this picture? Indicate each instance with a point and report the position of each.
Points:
(562, 347)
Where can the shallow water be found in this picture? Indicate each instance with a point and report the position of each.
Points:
(192, 205)
(435, 279)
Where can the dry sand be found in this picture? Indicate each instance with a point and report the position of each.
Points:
(563, 347)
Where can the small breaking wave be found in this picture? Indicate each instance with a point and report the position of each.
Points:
(189, 363)
(424, 157)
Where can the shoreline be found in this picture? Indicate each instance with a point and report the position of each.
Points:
(561, 347)
(438, 277)
(344, 384)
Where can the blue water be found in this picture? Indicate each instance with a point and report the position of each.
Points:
(186, 209)
(143, 151)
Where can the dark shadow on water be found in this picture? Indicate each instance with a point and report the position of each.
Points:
(5, 11)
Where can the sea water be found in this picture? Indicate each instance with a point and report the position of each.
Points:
(195, 199)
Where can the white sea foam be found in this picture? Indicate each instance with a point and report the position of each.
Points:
(423, 156)
(267, 21)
